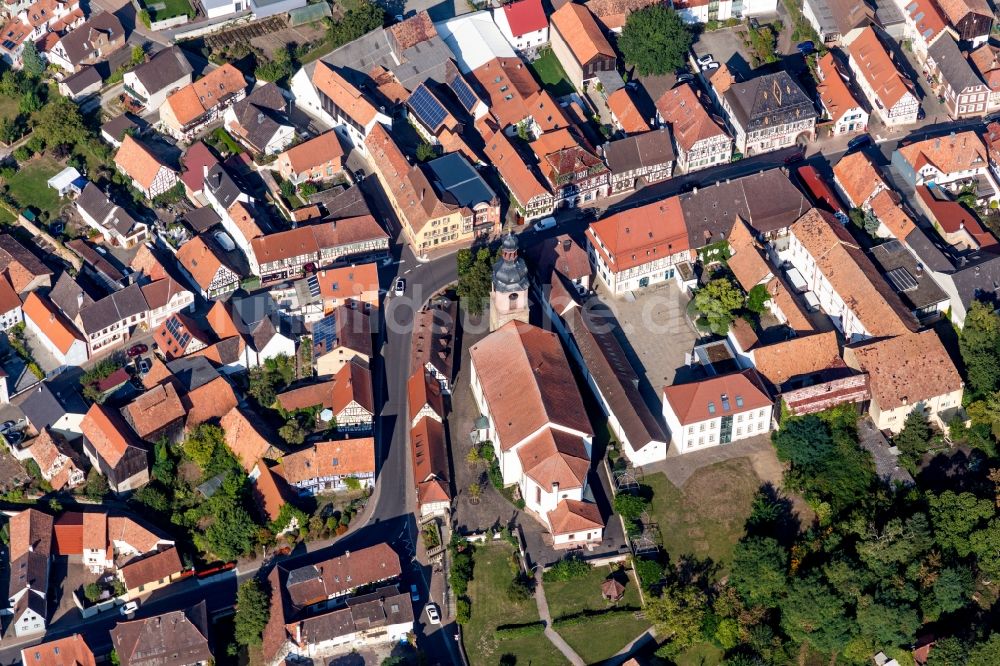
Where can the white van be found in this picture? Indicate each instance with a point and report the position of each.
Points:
(545, 223)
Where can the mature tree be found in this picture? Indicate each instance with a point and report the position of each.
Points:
(201, 444)
(985, 543)
(357, 21)
(231, 534)
(915, 436)
(59, 122)
(986, 412)
(953, 588)
(630, 507)
(152, 498)
(986, 653)
(31, 61)
(475, 280)
(717, 302)
(656, 40)
(814, 613)
(805, 442)
(955, 516)
(96, 486)
(677, 615)
(979, 344)
(949, 651)
(252, 612)
(757, 299)
(29, 103)
(292, 432)
(884, 551)
(759, 570)
(889, 624)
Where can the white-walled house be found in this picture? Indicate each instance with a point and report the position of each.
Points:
(923, 376)
(59, 337)
(717, 410)
(839, 275)
(327, 96)
(639, 247)
(523, 386)
(890, 94)
(523, 24)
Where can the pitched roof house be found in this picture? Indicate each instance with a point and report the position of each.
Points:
(523, 23)
(579, 44)
(260, 120)
(177, 638)
(69, 651)
(319, 158)
(244, 439)
(429, 455)
(890, 94)
(768, 112)
(21, 267)
(92, 41)
(207, 269)
(328, 466)
(189, 109)
(339, 576)
(109, 445)
(149, 175)
(857, 179)
(151, 82)
(700, 138)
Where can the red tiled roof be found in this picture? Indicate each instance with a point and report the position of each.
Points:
(702, 400)
(524, 16)
(640, 235)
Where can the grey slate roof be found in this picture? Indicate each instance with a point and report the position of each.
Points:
(895, 261)
(192, 371)
(769, 99)
(767, 201)
(69, 296)
(164, 69)
(222, 186)
(457, 182)
(340, 202)
(85, 78)
(78, 42)
(202, 219)
(97, 204)
(639, 150)
(176, 638)
(261, 114)
(955, 68)
(116, 127)
(117, 307)
(974, 274)
(42, 407)
(12, 250)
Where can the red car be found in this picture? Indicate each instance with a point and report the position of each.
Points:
(135, 350)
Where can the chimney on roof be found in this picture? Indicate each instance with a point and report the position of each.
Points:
(555, 486)
(79, 300)
(347, 554)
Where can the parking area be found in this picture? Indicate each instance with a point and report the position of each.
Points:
(726, 48)
(655, 332)
(69, 576)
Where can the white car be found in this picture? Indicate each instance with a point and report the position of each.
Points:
(705, 59)
(545, 223)
(399, 287)
(129, 608)
(709, 66)
(433, 615)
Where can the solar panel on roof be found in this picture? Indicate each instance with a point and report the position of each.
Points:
(313, 282)
(901, 279)
(325, 333)
(427, 109)
(178, 332)
(464, 93)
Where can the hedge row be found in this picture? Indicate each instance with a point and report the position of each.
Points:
(518, 630)
(589, 616)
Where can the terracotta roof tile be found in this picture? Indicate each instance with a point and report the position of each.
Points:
(554, 457)
(414, 30)
(627, 114)
(877, 67)
(525, 16)
(961, 151)
(137, 162)
(747, 264)
(833, 92)
(128, 531)
(310, 395)
(429, 455)
(314, 152)
(270, 491)
(527, 383)
(69, 651)
(243, 439)
(571, 516)
(886, 207)
(689, 120)
(513, 94)
(152, 568)
(797, 356)
(581, 33)
(45, 315)
(851, 274)
(858, 177)
(422, 390)
(211, 400)
(691, 402)
(614, 13)
(345, 457)
(516, 174)
(348, 99)
(640, 235)
(195, 99)
(154, 410)
(907, 369)
(243, 218)
(108, 435)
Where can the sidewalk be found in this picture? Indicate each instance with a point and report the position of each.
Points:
(546, 617)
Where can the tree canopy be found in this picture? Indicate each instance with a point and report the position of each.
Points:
(717, 302)
(252, 612)
(656, 40)
(475, 279)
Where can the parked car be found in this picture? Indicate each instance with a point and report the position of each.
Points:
(136, 350)
(710, 66)
(399, 287)
(805, 48)
(859, 142)
(545, 223)
(359, 176)
(7, 425)
(414, 594)
(143, 366)
(128, 609)
(686, 77)
(433, 615)
(705, 59)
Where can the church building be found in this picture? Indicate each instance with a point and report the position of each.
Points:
(509, 294)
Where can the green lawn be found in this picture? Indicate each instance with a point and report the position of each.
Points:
(585, 594)
(9, 107)
(29, 186)
(700, 654)
(494, 569)
(551, 74)
(706, 518)
(171, 8)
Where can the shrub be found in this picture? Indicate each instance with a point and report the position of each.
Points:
(519, 630)
(92, 591)
(566, 569)
(650, 572)
(463, 610)
(519, 588)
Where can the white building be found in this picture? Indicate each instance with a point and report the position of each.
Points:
(890, 94)
(718, 410)
(327, 96)
(59, 337)
(523, 23)
(639, 247)
(153, 81)
(703, 11)
(536, 421)
(10, 306)
(838, 102)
